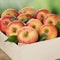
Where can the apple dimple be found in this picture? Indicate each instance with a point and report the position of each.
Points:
(50, 22)
(24, 12)
(49, 30)
(51, 19)
(28, 10)
(33, 26)
(46, 30)
(27, 35)
(41, 14)
(34, 23)
(6, 23)
(10, 12)
(14, 30)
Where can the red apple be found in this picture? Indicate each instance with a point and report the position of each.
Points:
(24, 17)
(34, 23)
(28, 10)
(41, 14)
(51, 19)
(0, 24)
(13, 28)
(27, 35)
(11, 12)
(49, 30)
(4, 21)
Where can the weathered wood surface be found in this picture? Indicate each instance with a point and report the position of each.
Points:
(3, 56)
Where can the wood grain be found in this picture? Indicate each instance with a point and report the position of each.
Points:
(3, 56)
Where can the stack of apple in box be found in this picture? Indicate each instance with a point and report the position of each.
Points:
(29, 26)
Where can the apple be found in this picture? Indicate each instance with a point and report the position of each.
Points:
(34, 23)
(41, 14)
(4, 21)
(27, 35)
(28, 10)
(49, 30)
(11, 12)
(0, 27)
(24, 17)
(51, 19)
(13, 28)
(0, 24)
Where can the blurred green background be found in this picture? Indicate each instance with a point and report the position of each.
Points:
(52, 5)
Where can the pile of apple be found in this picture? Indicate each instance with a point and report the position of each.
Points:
(29, 25)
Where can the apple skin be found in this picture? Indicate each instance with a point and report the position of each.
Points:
(13, 28)
(34, 23)
(11, 12)
(4, 21)
(51, 19)
(24, 16)
(49, 30)
(0, 24)
(28, 10)
(41, 13)
(27, 35)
